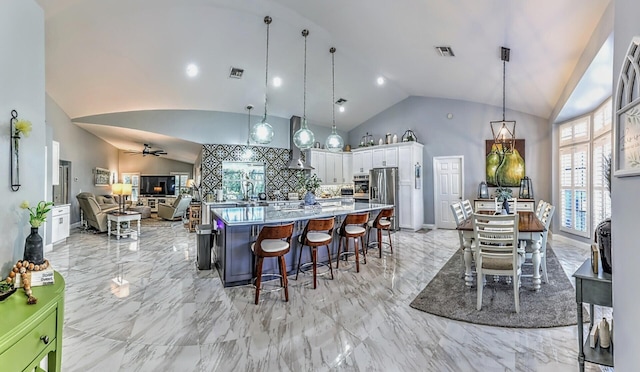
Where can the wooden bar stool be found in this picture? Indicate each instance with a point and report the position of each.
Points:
(273, 241)
(381, 222)
(316, 234)
(353, 227)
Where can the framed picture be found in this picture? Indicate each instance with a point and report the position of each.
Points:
(504, 169)
(102, 177)
(626, 128)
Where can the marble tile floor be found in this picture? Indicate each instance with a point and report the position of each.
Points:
(171, 317)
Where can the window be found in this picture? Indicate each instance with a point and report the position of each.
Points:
(133, 179)
(181, 183)
(585, 143)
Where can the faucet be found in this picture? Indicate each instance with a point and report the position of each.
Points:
(246, 196)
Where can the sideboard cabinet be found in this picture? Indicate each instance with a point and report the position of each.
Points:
(525, 205)
(28, 333)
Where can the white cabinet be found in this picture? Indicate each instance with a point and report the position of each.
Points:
(347, 167)
(362, 161)
(60, 222)
(384, 156)
(329, 166)
(410, 199)
(153, 202)
(55, 163)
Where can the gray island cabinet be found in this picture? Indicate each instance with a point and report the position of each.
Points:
(237, 228)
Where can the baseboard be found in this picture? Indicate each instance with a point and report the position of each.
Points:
(564, 239)
(429, 226)
(76, 225)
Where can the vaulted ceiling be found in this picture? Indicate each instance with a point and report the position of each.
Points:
(124, 55)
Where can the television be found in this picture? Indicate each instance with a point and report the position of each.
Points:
(157, 185)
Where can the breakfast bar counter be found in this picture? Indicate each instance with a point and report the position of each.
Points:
(237, 228)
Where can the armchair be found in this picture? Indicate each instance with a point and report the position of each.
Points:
(176, 210)
(94, 212)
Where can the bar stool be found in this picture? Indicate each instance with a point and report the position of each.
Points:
(316, 234)
(353, 227)
(381, 222)
(273, 241)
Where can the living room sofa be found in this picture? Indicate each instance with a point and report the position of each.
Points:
(95, 213)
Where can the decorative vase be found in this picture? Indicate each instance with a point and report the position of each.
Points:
(603, 334)
(603, 238)
(33, 251)
(309, 198)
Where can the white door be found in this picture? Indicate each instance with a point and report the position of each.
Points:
(447, 188)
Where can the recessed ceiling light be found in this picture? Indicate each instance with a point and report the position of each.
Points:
(380, 80)
(192, 70)
(277, 81)
(341, 109)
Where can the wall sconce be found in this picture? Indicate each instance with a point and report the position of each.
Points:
(16, 128)
(483, 191)
(526, 188)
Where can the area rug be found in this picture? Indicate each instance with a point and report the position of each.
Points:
(554, 305)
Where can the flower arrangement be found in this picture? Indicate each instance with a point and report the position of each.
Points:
(22, 127)
(503, 193)
(308, 182)
(37, 214)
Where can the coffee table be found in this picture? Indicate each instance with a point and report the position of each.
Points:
(118, 218)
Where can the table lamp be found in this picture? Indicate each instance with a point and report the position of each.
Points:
(122, 190)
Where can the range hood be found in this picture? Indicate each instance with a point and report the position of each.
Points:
(297, 157)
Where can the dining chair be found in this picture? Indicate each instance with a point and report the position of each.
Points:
(546, 215)
(513, 205)
(539, 207)
(458, 216)
(496, 239)
(467, 208)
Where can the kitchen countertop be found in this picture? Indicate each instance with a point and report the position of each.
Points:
(273, 214)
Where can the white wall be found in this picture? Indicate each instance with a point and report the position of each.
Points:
(625, 204)
(22, 76)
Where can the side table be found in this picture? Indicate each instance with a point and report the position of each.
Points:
(29, 332)
(119, 217)
(596, 290)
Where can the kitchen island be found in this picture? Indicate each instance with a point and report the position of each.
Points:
(237, 228)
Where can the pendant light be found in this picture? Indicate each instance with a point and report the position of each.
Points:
(334, 142)
(303, 138)
(504, 131)
(262, 132)
(248, 153)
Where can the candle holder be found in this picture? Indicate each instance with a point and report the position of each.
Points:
(15, 151)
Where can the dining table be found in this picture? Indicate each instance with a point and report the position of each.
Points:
(529, 230)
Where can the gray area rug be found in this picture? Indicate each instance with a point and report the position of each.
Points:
(155, 221)
(554, 305)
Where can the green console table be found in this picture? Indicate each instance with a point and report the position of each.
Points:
(29, 332)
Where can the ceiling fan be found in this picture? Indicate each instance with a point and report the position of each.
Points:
(147, 151)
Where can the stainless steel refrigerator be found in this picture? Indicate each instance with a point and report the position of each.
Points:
(383, 188)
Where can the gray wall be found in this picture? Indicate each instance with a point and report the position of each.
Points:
(625, 205)
(84, 150)
(464, 134)
(23, 83)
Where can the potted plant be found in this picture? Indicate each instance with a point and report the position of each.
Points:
(33, 251)
(503, 194)
(308, 184)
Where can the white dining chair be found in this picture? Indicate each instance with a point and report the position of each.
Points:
(458, 217)
(546, 215)
(539, 207)
(496, 240)
(467, 208)
(513, 205)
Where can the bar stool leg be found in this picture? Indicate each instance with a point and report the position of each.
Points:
(355, 247)
(390, 244)
(299, 260)
(285, 284)
(338, 256)
(314, 255)
(329, 254)
(379, 242)
(258, 277)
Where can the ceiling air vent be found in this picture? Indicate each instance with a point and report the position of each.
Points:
(236, 73)
(445, 51)
(341, 101)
